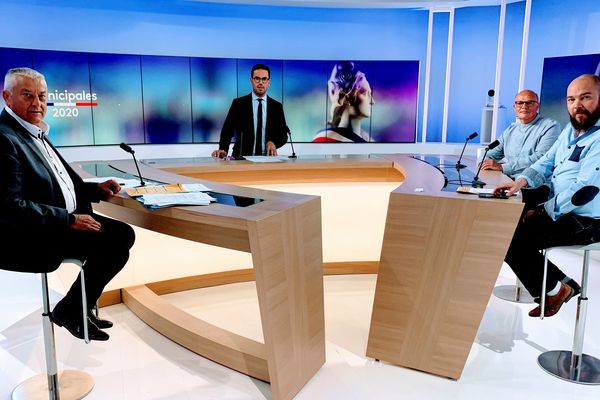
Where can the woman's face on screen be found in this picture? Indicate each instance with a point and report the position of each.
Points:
(364, 100)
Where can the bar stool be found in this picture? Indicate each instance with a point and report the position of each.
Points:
(572, 366)
(54, 384)
(515, 293)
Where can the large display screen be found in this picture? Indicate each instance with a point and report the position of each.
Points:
(105, 99)
(558, 73)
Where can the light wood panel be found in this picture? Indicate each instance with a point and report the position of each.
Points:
(376, 172)
(440, 258)
(227, 348)
(287, 256)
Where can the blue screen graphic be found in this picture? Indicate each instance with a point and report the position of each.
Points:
(105, 99)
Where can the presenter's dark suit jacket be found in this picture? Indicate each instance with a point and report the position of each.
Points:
(32, 207)
(240, 122)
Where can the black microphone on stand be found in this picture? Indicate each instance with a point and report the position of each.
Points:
(476, 182)
(291, 143)
(470, 137)
(240, 156)
(128, 149)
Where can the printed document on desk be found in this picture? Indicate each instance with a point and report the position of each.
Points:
(159, 200)
(263, 159)
(165, 189)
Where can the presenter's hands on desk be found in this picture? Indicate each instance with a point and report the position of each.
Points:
(219, 154)
(270, 147)
(510, 189)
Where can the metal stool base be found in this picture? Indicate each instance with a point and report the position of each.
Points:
(73, 385)
(558, 363)
(508, 293)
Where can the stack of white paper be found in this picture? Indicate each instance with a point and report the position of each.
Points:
(194, 187)
(176, 199)
(264, 159)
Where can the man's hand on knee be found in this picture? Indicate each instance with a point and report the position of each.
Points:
(84, 222)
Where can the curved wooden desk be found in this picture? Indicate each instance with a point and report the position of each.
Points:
(283, 233)
(441, 254)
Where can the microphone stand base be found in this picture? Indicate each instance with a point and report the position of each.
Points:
(293, 156)
(478, 184)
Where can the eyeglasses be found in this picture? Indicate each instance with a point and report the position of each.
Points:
(528, 103)
(258, 79)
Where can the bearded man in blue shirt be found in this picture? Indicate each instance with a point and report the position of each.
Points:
(572, 163)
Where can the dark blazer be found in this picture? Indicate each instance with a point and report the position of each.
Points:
(240, 122)
(32, 207)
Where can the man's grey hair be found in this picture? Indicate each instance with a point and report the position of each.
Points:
(10, 79)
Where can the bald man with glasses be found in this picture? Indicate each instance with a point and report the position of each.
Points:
(256, 120)
(524, 141)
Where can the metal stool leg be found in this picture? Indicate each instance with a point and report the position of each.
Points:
(574, 366)
(54, 384)
(544, 280)
(86, 334)
(515, 293)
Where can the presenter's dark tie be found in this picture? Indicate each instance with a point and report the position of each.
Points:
(258, 150)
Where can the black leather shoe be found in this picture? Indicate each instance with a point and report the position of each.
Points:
(99, 322)
(75, 327)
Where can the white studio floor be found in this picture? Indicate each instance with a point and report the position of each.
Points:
(139, 363)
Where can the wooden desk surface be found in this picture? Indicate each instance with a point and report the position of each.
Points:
(440, 257)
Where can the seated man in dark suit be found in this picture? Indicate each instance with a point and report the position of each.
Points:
(45, 207)
(256, 120)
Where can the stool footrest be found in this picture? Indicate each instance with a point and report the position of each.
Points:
(558, 363)
(73, 385)
(509, 293)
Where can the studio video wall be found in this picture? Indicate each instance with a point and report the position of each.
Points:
(557, 74)
(104, 99)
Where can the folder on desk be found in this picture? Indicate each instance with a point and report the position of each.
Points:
(166, 189)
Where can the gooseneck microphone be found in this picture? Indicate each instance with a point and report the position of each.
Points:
(476, 182)
(128, 149)
(470, 137)
(291, 144)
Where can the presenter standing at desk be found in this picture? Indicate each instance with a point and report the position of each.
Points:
(45, 210)
(524, 141)
(256, 119)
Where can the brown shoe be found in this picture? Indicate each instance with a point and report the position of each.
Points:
(554, 303)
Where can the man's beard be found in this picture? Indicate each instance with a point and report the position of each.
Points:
(592, 118)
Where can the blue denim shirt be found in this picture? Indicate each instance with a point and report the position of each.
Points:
(523, 144)
(570, 164)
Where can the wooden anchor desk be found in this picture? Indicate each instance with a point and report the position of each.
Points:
(440, 257)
